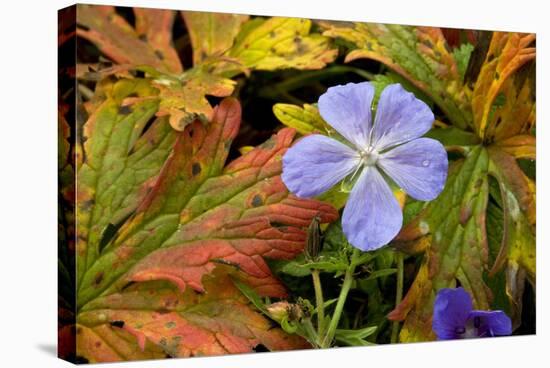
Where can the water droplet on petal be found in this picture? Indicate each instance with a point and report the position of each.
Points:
(425, 163)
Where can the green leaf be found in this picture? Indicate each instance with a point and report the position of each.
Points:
(451, 230)
(355, 337)
(117, 167)
(304, 119)
(462, 58)
(281, 43)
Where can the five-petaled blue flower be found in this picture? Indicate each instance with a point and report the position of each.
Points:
(454, 317)
(391, 146)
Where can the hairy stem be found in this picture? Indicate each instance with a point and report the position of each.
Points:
(346, 286)
(319, 301)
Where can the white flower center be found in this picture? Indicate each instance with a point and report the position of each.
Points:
(369, 157)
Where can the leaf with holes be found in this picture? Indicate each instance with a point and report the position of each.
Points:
(179, 221)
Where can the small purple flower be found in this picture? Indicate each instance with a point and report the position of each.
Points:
(454, 318)
(390, 147)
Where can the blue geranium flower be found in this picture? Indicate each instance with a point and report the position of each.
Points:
(454, 317)
(391, 146)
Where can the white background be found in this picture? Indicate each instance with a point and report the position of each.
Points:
(28, 144)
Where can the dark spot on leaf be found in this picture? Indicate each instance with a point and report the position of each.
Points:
(163, 311)
(272, 34)
(428, 43)
(97, 344)
(127, 285)
(124, 110)
(86, 205)
(246, 46)
(257, 201)
(196, 169)
(98, 278)
(133, 94)
(118, 324)
(497, 76)
(159, 54)
(277, 224)
(170, 324)
(204, 55)
(143, 37)
(272, 50)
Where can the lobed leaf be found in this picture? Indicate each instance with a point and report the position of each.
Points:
(184, 99)
(280, 43)
(150, 43)
(118, 165)
(197, 221)
(304, 119)
(157, 317)
(419, 54)
(212, 34)
(451, 230)
(507, 53)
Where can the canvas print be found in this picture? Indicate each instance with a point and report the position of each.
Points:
(242, 183)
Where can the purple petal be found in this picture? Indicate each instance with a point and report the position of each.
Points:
(348, 110)
(491, 323)
(419, 167)
(316, 163)
(451, 310)
(400, 117)
(372, 217)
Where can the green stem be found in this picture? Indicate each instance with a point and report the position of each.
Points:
(311, 334)
(398, 293)
(319, 301)
(346, 286)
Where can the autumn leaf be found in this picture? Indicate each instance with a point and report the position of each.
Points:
(452, 231)
(507, 53)
(158, 320)
(279, 43)
(183, 99)
(419, 54)
(212, 34)
(176, 216)
(149, 43)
